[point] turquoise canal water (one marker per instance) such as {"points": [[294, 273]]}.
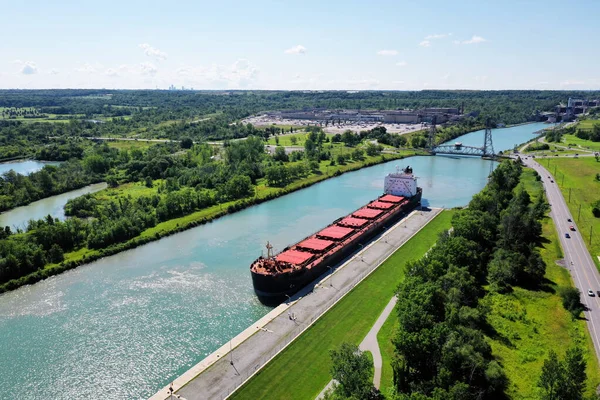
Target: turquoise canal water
{"points": [[54, 206], [25, 167], [126, 325]]}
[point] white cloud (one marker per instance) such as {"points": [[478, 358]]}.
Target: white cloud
{"points": [[481, 78], [474, 40], [299, 49], [437, 36], [148, 69], [87, 68], [445, 77], [387, 53], [398, 82], [111, 72], [153, 52], [29, 68], [425, 43], [402, 63], [54, 71], [572, 82]]}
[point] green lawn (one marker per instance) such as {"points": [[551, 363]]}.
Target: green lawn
{"points": [[574, 142], [530, 323], [301, 371], [578, 176], [587, 124], [129, 144], [286, 140]]}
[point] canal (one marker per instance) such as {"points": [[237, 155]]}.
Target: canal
{"points": [[124, 326]]}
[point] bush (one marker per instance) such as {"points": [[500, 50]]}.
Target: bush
{"points": [[571, 300], [596, 208]]}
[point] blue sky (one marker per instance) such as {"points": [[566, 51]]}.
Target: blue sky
{"points": [[388, 45]]}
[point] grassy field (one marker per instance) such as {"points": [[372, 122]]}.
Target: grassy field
{"points": [[129, 144], [529, 323], [573, 141], [576, 176], [301, 371], [587, 124]]}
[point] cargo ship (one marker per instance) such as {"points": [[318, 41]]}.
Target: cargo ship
{"points": [[285, 273]]}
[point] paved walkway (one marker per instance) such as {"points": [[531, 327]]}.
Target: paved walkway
{"points": [[370, 342], [223, 372]]}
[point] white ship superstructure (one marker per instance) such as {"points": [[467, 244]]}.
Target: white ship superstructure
{"points": [[401, 183]]}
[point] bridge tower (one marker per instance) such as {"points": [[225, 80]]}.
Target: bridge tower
{"points": [[488, 145], [431, 137]]}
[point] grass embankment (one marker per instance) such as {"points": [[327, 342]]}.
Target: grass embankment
{"points": [[301, 371], [530, 323], [263, 193], [578, 176]]}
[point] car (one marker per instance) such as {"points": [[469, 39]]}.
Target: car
{"points": [[569, 220], [567, 235], [591, 293], [551, 181], [572, 228], [598, 293]]}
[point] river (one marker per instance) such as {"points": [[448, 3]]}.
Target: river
{"points": [[54, 205], [126, 325], [25, 167]]}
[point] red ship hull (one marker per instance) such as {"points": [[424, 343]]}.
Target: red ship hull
{"points": [[299, 265]]}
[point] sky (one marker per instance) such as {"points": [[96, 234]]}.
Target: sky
{"points": [[307, 45]]}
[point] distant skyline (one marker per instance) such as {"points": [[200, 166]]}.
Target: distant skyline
{"points": [[345, 45]]}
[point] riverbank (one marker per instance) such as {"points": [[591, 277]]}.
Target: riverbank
{"points": [[201, 217]]}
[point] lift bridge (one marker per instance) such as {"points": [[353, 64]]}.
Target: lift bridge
{"points": [[487, 150]]}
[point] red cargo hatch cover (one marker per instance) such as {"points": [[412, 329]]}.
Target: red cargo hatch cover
{"points": [[367, 213], [294, 257], [381, 205], [315, 244], [390, 198], [335, 232], [354, 222]]}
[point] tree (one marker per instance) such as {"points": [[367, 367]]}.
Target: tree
{"points": [[575, 375], [186, 143], [294, 140], [148, 182], [55, 254], [352, 369], [552, 378], [280, 154]]}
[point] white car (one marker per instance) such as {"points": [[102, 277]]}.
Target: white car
{"points": [[591, 293]]}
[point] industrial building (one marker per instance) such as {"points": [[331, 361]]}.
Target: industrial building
{"points": [[441, 115]]}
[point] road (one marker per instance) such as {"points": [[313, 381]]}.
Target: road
{"points": [[577, 258]]}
